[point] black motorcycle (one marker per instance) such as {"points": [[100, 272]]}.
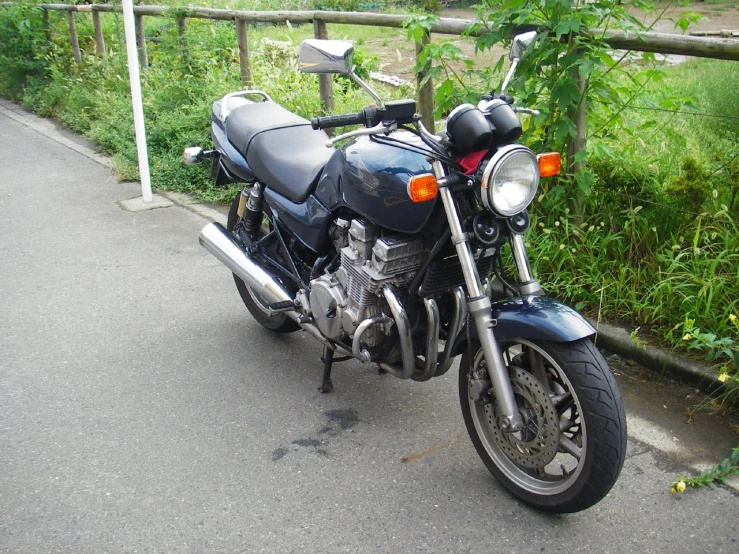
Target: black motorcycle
{"points": [[389, 250]]}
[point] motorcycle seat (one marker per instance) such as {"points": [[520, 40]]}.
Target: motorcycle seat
{"points": [[281, 148]]}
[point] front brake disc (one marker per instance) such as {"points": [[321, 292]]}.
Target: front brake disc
{"points": [[537, 444]]}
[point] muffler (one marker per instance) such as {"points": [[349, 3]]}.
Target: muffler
{"points": [[219, 242]]}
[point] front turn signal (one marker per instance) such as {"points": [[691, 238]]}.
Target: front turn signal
{"points": [[422, 188], [549, 164]]}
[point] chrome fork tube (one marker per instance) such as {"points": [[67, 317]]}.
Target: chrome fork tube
{"points": [[529, 286], [480, 310]]}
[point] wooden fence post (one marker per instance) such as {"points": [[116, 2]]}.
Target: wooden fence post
{"points": [[324, 81], [47, 24], [181, 27], [577, 145], [99, 39], [243, 37], [141, 40], [425, 91], [75, 40]]}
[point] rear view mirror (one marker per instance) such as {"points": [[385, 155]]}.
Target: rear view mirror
{"points": [[326, 56], [521, 43]]}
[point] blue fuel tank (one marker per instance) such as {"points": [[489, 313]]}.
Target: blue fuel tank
{"points": [[371, 178]]}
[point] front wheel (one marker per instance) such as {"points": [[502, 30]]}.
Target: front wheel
{"points": [[572, 447]]}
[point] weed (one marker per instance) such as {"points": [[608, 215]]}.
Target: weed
{"points": [[709, 477]]}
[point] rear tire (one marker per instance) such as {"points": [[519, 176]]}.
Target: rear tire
{"points": [[582, 405], [279, 323]]}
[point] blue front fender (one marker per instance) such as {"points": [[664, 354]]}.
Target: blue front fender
{"points": [[532, 318]]}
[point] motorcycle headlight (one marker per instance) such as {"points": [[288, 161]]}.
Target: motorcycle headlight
{"points": [[510, 180]]}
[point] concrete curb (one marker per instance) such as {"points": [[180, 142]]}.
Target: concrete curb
{"points": [[43, 126], [618, 340], [610, 337]]}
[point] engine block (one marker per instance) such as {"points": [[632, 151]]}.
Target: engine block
{"points": [[369, 262], [342, 300]]}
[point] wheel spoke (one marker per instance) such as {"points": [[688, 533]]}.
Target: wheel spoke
{"points": [[565, 424], [563, 402], [566, 445], [559, 398], [536, 361]]}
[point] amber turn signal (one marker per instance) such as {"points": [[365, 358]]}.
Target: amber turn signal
{"points": [[423, 187], [549, 164]]}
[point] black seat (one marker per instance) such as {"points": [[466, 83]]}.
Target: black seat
{"points": [[281, 148]]}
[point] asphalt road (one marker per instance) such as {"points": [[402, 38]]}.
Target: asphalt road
{"points": [[142, 410]]}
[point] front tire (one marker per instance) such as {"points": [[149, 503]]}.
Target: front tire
{"points": [[572, 448], [278, 323]]}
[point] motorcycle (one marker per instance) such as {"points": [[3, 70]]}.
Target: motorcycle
{"points": [[388, 250]]}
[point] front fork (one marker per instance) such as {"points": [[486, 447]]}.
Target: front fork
{"points": [[479, 308]]}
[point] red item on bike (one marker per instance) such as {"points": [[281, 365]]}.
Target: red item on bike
{"points": [[470, 162]]}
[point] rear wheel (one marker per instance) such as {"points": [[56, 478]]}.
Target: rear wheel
{"points": [[573, 444], [279, 323]]}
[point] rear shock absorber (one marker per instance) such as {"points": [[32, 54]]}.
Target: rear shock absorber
{"points": [[252, 216]]}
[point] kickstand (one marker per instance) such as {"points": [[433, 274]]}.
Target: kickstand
{"points": [[328, 360]]}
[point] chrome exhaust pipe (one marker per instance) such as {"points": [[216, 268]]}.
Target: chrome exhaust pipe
{"points": [[408, 367], [357, 351], [459, 316], [219, 242], [432, 341]]}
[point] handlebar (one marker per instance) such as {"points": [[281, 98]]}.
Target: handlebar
{"points": [[528, 111], [328, 121], [400, 111]]}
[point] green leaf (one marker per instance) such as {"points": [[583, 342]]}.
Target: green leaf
{"points": [[566, 27]]}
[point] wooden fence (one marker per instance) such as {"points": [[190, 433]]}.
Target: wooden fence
{"points": [[717, 48]]}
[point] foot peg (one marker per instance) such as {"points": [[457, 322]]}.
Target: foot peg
{"points": [[285, 306]]}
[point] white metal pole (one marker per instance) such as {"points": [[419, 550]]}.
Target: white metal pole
{"points": [[138, 108]]}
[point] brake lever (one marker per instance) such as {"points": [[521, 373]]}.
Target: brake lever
{"points": [[382, 127]]}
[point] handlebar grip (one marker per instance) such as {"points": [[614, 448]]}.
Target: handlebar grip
{"points": [[338, 120]]}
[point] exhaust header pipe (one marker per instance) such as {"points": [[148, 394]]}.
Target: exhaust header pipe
{"points": [[219, 242]]}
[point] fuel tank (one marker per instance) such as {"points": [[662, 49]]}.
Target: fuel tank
{"points": [[371, 178]]}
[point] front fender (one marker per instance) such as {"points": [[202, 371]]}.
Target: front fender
{"points": [[532, 318]]}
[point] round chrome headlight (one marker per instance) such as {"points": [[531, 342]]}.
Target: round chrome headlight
{"points": [[510, 180]]}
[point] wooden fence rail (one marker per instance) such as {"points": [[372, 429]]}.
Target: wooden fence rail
{"points": [[716, 48]]}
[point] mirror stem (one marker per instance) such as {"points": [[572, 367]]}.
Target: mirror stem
{"points": [[509, 75], [366, 87]]}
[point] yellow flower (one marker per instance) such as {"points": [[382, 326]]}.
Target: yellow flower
{"points": [[678, 487], [723, 377], [733, 318], [687, 336]]}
